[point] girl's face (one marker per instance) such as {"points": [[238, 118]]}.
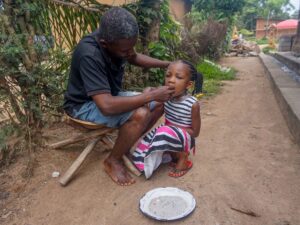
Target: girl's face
{"points": [[178, 76]]}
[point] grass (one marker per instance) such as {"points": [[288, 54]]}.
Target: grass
{"points": [[213, 75], [263, 41], [268, 49]]}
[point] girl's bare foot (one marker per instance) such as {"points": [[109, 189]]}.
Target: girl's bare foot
{"points": [[117, 172]]}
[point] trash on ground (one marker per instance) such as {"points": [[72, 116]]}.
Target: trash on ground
{"points": [[55, 174]]}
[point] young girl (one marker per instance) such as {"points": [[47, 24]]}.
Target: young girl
{"points": [[182, 124]]}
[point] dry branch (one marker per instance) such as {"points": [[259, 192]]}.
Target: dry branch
{"points": [[77, 5], [247, 212]]}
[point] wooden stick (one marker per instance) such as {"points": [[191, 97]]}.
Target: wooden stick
{"points": [[130, 166], [77, 163], [106, 140], [125, 159], [80, 137], [247, 212]]}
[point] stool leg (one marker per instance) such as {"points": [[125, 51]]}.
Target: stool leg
{"points": [[77, 163], [80, 137], [130, 166]]}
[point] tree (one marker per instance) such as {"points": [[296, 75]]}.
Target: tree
{"points": [[217, 10], [295, 14], [26, 69], [254, 9]]}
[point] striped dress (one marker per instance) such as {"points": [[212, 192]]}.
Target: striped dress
{"points": [[167, 137]]}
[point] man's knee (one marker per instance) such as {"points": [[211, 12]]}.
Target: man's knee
{"points": [[141, 115], [159, 107]]}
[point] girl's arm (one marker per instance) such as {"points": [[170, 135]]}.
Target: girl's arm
{"points": [[196, 120]]}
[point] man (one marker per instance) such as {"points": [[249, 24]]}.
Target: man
{"points": [[93, 92]]}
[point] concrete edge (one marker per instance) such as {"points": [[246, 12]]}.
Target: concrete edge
{"points": [[290, 62], [286, 94]]}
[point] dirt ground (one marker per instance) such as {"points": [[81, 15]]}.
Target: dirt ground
{"points": [[246, 160]]}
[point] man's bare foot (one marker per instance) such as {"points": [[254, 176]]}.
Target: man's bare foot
{"points": [[117, 172]]}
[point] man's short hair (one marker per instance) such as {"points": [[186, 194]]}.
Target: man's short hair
{"points": [[117, 23]]}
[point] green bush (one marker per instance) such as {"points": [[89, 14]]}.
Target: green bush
{"points": [[246, 32], [210, 70], [252, 38], [263, 41], [267, 49], [211, 87], [213, 74]]}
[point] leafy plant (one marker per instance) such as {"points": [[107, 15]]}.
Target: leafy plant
{"points": [[167, 48], [262, 41], [211, 87], [213, 74], [32, 72], [219, 10], [268, 50], [211, 70], [246, 32]]}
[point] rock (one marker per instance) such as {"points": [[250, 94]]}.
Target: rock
{"points": [[231, 54], [6, 215], [253, 54]]}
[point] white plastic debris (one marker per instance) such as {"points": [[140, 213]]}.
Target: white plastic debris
{"points": [[55, 174]]}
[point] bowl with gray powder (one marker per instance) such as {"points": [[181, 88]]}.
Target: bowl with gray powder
{"points": [[166, 204]]}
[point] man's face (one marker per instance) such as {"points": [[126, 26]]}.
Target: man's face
{"points": [[123, 48]]}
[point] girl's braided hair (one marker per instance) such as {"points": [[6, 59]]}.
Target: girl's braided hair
{"points": [[195, 76]]}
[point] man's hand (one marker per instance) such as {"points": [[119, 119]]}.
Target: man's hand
{"points": [[148, 89], [162, 94]]}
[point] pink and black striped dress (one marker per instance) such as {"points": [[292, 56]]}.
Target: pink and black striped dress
{"points": [[167, 137]]}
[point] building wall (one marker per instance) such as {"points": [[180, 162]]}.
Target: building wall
{"points": [[179, 8], [261, 25], [283, 32]]}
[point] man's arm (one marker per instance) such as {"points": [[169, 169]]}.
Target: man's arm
{"points": [[111, 105], [147, 61]]}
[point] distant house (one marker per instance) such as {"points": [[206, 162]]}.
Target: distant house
{"points": [[286, 27], [282, 27], [262, 26]]}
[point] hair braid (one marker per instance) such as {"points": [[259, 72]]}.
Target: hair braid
{"points": [[195, 76]]}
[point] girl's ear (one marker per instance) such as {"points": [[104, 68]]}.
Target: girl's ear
{"points": [[190, 84]]}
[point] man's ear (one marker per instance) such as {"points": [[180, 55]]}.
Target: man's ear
{"points": [[103, 43]]}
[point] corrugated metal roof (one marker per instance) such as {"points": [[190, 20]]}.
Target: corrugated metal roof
{"points": [[287, 24]]}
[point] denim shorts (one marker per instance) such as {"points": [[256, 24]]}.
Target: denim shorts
{"points": [[90, 112]]}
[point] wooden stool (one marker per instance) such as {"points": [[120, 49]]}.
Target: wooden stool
{"points": [[96, 132]]}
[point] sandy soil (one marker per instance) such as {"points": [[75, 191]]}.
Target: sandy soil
{"points": [[246, 159]]}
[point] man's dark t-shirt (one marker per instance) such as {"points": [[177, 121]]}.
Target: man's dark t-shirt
{"points": [[92, 72]]}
